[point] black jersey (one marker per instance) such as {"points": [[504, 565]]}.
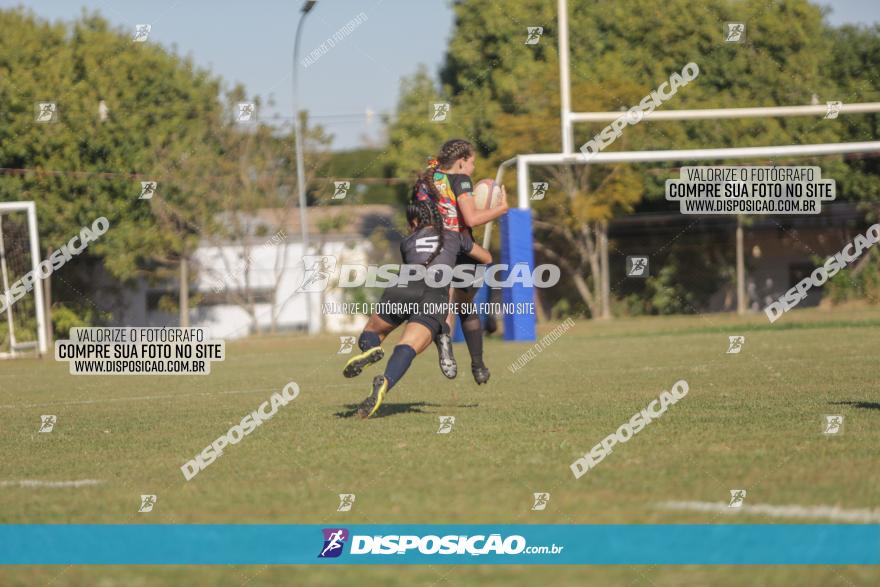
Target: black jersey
{"points": [[418, 247], [429, 305]]}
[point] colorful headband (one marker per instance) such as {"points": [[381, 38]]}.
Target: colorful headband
{"points": [[432, 163]]}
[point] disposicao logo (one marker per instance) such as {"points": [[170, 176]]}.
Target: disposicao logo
{"points": [[334, 541]]}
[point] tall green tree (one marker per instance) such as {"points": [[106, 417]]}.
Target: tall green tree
{"points": [[413, 137], [854, 63], [126, 112], [129, 112]]}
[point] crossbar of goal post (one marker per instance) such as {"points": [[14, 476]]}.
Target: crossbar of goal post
{"points": [[516, 225], [30, 209]]}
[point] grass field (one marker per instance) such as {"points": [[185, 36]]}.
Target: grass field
{"points": [[750, 421]]}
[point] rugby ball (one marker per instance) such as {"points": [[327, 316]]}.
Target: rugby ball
{"points": [[487, 194]]}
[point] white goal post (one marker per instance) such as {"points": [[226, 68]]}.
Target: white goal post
{"points": [[517, 226], [524, 161], [40, 345]]}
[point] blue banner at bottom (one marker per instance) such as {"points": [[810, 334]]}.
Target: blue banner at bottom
{"points": [[278, 544]]}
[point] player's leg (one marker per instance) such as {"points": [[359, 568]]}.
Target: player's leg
{"points": [[377, 328], [448, 365], [415, 339], [443, 340], [472, 329]]}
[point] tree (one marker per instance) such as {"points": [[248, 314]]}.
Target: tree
{"points": [[412, 137], [158, 111], [132, 112], [856, 52]]}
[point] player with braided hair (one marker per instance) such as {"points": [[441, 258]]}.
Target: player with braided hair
{"points": [[447, 181], [431, 245]]}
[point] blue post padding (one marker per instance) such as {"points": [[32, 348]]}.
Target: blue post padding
{"points": [[516, 247], [482, 297]]}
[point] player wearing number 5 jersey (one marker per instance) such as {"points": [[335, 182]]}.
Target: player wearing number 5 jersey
{"points": [[434, 247]]}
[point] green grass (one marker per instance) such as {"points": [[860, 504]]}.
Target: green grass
{"points": [[750, 421]]}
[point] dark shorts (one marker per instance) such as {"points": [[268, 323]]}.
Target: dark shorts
{"points": [[426, 301]]}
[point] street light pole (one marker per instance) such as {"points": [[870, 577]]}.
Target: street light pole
{"points": [[300, 177]]}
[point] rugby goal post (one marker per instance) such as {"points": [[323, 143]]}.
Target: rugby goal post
{"points": [[23, 324], [516, 225]]}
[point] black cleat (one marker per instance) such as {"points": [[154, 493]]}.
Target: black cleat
{"points": [[356, 364], [369, 406], [448, 365], [481, 374]]}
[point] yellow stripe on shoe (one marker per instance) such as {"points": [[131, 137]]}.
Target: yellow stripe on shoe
{"points": [[356, 364], [380, 387]]}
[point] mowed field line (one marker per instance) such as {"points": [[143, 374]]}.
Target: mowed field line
{"points": [[834, 513], [133, 399], [29, 483], [106, 400]]}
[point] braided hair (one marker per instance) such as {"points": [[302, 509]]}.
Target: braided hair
{"points": [[450, 152], [425, 213]]}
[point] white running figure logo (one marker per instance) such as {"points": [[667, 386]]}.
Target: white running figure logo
{"points": [[735, 31], [534, 34], [638, 265], [737, 497], [833, 424], [446, 423], [441, 111], [47, 423], [541, 500], [346, 501], [147, 503], [319, 274], [341, 189], [735, 344], [335, 542]]}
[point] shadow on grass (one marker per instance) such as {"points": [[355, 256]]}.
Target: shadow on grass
{"points": [[392, 409], [862, 405]]}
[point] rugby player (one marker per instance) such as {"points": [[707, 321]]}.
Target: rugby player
{"points": [[447, 181], [430, 245]]}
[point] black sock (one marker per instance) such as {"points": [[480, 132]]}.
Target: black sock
{"points": [[473, 336], [400, 360], [368, 340]]}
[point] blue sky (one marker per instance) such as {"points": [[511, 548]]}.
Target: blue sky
{"points": [[252, 43]]}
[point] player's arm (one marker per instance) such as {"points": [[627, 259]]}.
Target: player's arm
{"points": [[473, 250], [461, 187], [480, 255], [473, 217]]}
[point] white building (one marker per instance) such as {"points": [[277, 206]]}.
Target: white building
{"points": [[249, 285]]}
